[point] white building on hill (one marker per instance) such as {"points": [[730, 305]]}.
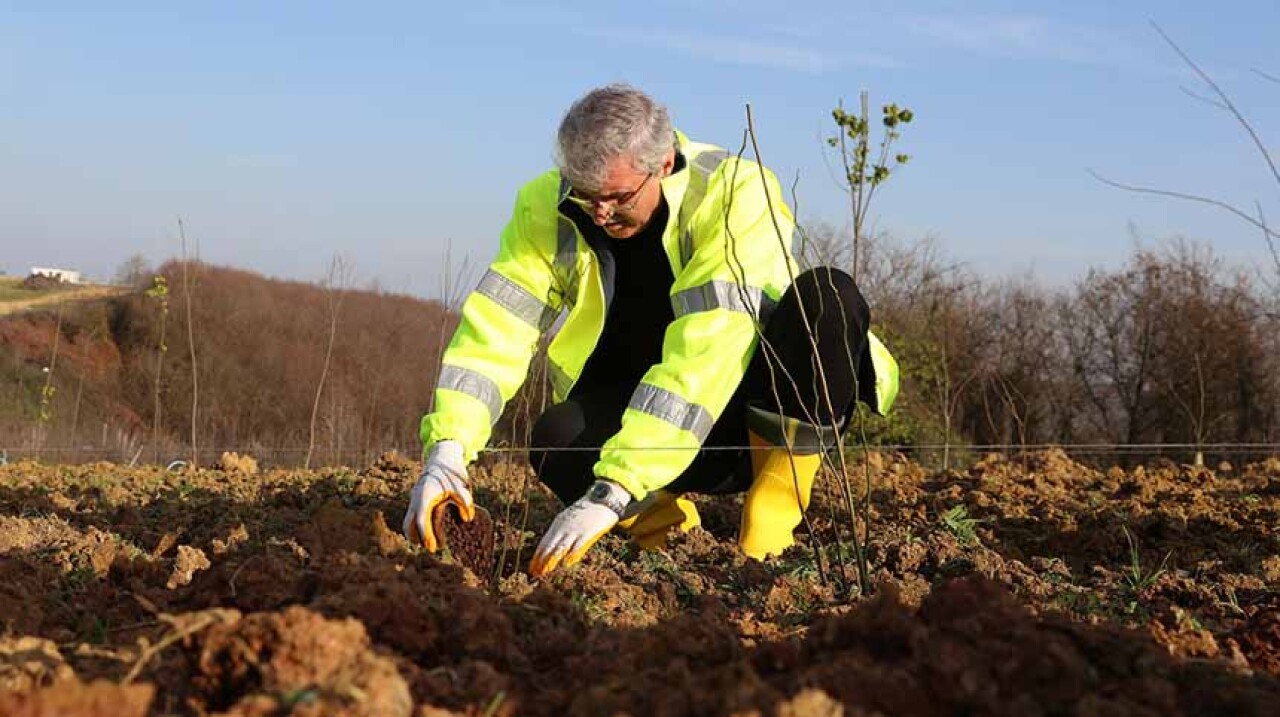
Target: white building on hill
{"points": [[64, 275]]}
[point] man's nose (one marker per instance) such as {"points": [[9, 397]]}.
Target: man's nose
{"points": [[601, 214]]}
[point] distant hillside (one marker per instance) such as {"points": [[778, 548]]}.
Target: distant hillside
{"points": [[15, 297], [260, 347]]}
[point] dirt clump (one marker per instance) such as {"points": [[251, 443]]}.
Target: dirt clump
{"points": [[237, 536], [335, 527], [972, 649], [471, 542], [188, 562], [393, 464], [72, 698], [23, 579], [30, 662], [1259, 639], [296, 657], [238, 463]]}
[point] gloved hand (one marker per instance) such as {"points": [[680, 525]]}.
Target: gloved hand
{"points": [[579, 526], [443, 480]]}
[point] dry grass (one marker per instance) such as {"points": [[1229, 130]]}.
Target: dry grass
{"points": [[10, 289], [14, 298]]}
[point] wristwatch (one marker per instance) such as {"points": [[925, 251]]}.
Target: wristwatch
{"points": [[610, 495]]}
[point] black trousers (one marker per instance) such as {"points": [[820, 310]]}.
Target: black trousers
{"points": [[782, 377]]}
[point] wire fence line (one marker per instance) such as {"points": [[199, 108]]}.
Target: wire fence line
{"points": [[289, 455], [974, 447], [882, 447]]}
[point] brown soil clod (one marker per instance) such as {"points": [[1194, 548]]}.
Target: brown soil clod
{"points": [[238, 463], [27, 662], [188, 562], [1260, 638], [393, 463], [470, 543], [296, 656], [66, 699]]}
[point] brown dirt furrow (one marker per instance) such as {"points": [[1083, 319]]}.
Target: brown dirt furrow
{"points": [[1032, 587]]}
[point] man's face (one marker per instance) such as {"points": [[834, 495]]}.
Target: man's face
{"points": [[627, 200]]}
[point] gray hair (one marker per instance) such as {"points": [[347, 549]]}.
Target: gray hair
{"points": [[608, 122]]}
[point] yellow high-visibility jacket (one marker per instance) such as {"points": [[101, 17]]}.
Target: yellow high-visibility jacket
{"points": [[729, 242]]}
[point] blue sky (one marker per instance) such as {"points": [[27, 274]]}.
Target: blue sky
{"points": [[287, 132]]}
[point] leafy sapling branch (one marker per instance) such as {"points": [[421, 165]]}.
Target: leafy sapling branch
{"points": [[863, 173]]}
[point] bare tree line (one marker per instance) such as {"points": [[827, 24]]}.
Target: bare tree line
{"points": [[1175, 346]]}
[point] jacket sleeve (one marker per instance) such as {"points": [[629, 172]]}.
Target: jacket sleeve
{"points": [[740, 265], [488, 357]]}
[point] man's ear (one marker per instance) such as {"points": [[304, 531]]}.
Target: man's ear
{"points": [[669, 163]]}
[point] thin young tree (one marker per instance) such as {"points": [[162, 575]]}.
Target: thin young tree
{"points": [[49, 390], [863, 173], [159, 293], [75, 410], [454, 287], [187, 286], [862, 176], [778, 374], [957, 366], [335, 286]]}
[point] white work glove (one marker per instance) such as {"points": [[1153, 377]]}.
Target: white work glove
{"points": [[443, 480], [579, 526]]}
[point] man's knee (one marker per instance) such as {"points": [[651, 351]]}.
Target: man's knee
{"points": [[558, 428], [817, 328], [825, 286]]}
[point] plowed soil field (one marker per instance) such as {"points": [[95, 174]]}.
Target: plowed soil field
{"points": [[1028, 587]]}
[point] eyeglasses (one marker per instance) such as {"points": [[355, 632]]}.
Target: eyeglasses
{"points": [[624, 202]]}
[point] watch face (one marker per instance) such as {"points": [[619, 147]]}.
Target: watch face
{"points": [[601, 493]]}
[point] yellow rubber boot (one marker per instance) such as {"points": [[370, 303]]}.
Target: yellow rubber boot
{"points": [[777, 499], [650, 527]]}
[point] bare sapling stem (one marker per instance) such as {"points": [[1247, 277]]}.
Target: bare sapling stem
{"points": [[159, 292], [335, 283], [187, 285]]}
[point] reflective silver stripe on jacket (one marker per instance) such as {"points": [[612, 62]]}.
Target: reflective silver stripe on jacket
{"points": [[701, 168], [663, 404], [723, 295], [560, 381], [518, 300], [565, 269], [710, 160], [474, 384]]}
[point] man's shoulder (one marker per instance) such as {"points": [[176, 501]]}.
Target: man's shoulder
{"points": [[712, 158], [544, 187], [537, 207], [692, 148]]}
